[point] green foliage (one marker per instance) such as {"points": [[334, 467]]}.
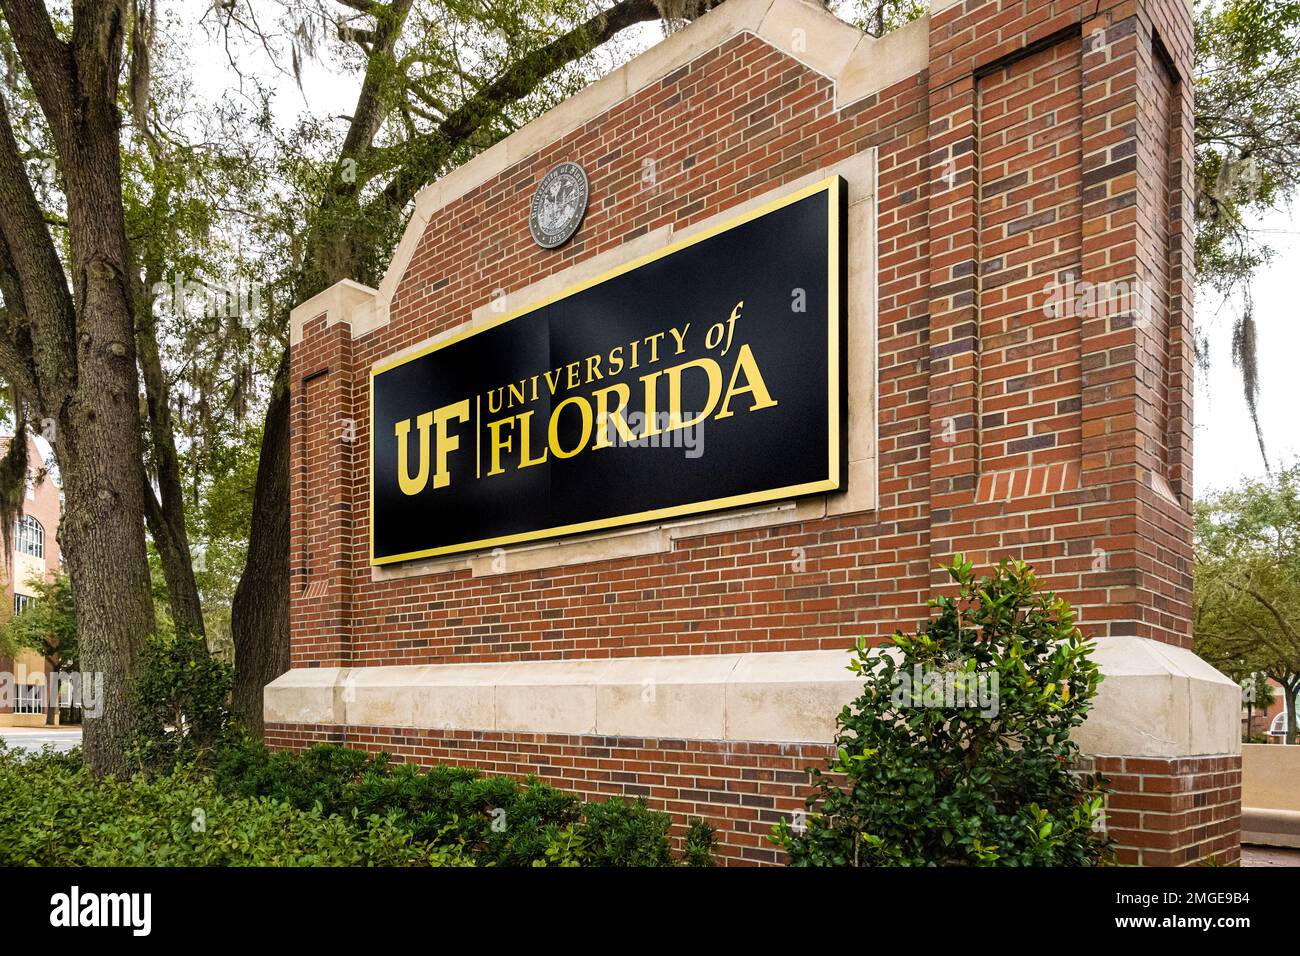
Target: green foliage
{"points": [[48, 625], [492, 820], [221, 523], [182, 698], [495, 819], [330, 806], [700, 836], [1247, 128], [54, 814], [1246, 589], [925, 776], [625, 833]]}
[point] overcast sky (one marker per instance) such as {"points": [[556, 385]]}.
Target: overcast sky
{"points": [[1225, 449]]}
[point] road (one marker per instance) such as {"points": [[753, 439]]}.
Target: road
{"points": [[34, 738]]}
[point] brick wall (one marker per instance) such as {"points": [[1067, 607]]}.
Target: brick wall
{"points": [[742, 788], [1047, 146], [1170, 812]]}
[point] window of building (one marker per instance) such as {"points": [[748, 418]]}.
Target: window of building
{"points": [[29, 536], [21, 602], [31, 699]]}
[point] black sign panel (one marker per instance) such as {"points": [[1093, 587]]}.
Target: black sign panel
{"points": [[709, 375]]}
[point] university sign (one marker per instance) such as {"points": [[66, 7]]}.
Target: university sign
{"points": [[708, 375], [728, 418]]}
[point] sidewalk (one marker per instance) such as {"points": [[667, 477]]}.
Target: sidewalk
{"points": [[1269, 856]]}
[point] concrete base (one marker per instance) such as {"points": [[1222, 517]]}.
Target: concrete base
{"points": [[24, 720], [1270, 795], [1270, 827]]}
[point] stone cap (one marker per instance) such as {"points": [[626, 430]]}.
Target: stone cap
{"points": [[1157, 700]]}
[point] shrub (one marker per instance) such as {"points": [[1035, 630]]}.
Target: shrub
{"points": [[700, 837], [190, 752], [54, 814], [182, 702], [498, 820], [927, 774], [494, 820], [625, 833]]}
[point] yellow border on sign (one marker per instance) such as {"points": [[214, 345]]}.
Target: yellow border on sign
{"points": [[833, 186]]}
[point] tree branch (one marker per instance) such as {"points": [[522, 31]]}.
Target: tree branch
{"points": [[46, 59], [432, 150], [1268, 605], [32, 257], [368, 116]]}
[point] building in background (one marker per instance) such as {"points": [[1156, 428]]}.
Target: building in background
{"points": [[34, 552]]}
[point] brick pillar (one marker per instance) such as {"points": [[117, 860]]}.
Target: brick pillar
{"points": [[1060, 370], [324, 477]]}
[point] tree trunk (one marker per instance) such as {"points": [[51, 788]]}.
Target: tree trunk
{"points": [[53, 662], [98, 448], [165, 512], [177, 567], [259, 619], [75, 358], [83, 358]]}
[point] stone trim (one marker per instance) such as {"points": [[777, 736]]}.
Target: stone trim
{"points": [[1157, 700], [792, 696], [343, 302]]}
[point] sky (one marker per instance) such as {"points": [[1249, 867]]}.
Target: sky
{"points": [[1225, 451]]}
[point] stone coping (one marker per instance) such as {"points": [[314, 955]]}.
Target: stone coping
{"points": [[1157, 700], [777, 696]]}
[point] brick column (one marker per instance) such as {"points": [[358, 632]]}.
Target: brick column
{"points": [[1060, 369], [327, 486]]}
